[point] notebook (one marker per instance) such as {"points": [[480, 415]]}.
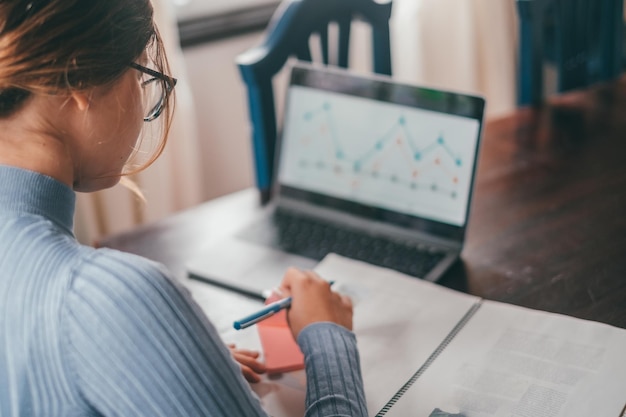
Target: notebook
{"points": [[367, 167], [440, 352]]}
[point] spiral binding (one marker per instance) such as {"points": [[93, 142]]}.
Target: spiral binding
{"points": [[430, 359]]}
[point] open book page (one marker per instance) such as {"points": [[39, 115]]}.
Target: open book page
{"points": [[398, 320], [516, 362]]}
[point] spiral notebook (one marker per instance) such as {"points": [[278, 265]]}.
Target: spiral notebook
{"points": [[430, 351]]}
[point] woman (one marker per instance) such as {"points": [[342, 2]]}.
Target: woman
{"points": [[87, 331]]}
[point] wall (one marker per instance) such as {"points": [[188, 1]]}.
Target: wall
{"points": [[194, 9], [221, 108]]}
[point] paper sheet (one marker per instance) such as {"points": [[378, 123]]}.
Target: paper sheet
{"points": [[510, 361]]}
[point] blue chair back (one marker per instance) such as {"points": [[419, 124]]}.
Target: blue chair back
{"points": [[288, 35], [581, 38]]}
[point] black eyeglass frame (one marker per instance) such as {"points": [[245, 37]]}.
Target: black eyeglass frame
{"points": [[169, 82]]}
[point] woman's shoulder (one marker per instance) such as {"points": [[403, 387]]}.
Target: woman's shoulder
{"points": [[110, 261], [114, 295], [107, 274]]}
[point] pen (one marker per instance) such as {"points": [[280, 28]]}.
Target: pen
{"points": [[262, 314], [266, 312]]}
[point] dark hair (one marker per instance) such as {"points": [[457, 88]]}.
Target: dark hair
{"points": [[54, 46]]}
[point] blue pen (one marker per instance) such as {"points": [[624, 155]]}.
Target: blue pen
{"points": [[264, 313]]}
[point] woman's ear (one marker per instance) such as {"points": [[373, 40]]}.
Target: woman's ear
{"points": [[80, 99]]}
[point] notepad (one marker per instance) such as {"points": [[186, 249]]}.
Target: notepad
{"points": [[280, 351]]}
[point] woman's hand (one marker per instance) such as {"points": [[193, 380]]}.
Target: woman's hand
{"points": [[313, 301], [247, 359]]}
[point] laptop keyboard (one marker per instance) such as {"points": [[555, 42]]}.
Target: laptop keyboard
{"points": [[314, 239]]}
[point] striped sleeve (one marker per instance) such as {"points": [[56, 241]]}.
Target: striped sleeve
{"points": [[334, 381], [137, 345]]}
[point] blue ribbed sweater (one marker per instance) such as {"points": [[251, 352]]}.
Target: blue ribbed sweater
{"points": [[97, 332]]}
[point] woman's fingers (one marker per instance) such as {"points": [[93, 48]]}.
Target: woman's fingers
{"points": [[248, 361], [314, 301]]}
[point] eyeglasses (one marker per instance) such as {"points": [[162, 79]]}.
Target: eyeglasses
{"points": [[156, 88]]}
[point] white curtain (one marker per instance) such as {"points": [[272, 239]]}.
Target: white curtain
{"points": [[462, 45], [173, 182]]}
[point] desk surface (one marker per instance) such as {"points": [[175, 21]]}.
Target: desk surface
{"points": [[547, 226]]}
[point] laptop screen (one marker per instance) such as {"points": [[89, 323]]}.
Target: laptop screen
{"points": [[380, 149]]}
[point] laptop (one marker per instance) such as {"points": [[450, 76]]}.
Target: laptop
{"points": [[367, 167]]}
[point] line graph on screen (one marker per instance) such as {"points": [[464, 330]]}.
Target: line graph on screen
{"points": [[395, 156]]}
